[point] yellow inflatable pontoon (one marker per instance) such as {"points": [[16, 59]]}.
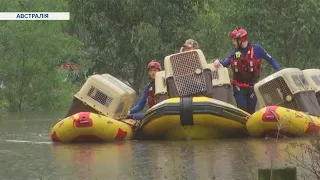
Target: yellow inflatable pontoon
{"points": [[289, 102], [271, 120], [94, 112], [90, 127], [194, 102], [193, 118]]}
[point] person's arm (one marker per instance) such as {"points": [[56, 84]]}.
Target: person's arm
{"points": [[227, 61], [141, 103], [259, 51]]}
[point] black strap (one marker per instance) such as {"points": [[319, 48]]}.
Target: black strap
{"points": [[186, 111]]}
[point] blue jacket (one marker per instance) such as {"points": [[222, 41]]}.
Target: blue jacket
{"points": [[259, 53], [143, 99]]}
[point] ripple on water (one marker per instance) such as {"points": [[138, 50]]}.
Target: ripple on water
{"points": [[26, 152]]}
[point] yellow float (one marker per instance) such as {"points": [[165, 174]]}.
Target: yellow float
{"points": [[194, 102], [193, 118], [271, 120], [91, 127], [289, 102], [94, 112]]}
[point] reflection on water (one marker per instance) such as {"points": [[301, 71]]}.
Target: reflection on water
{"points": [[227, 159], [27, 153], [94, 161]]}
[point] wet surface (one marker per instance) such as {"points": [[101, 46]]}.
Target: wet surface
{"points": [[26, 152]]}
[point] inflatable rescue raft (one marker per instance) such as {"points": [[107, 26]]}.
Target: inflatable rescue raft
{"points": [[290, 106], [276, 120], [91, 127], [187, 90], [193, 118], [95, 109], [193, 102]]}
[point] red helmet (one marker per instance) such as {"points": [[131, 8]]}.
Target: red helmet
{"points": [[239, 33], [154, 64]]}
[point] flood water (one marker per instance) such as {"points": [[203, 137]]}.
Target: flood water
{"points": [[26, 152]]}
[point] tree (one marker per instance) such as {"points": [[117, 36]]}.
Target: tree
{"points": [[285, 28], [31, 52], [126, 34]]}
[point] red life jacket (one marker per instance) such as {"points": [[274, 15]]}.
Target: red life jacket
{"points": [[246, 68], [151, 100]]}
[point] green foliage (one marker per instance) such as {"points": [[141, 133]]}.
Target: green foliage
{"points": [[127, 34], [121, 37], [287, 29], [31, 54]]}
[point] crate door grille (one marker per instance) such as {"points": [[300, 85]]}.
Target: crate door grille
{"points": [[186, 80], [99, 96], [275, 93]]}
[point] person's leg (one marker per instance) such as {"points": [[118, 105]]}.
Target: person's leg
{"points": [[240, 98], [251, 100], [138, 116]]}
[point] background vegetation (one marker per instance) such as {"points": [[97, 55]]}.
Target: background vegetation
{"points": [[120, 37]]}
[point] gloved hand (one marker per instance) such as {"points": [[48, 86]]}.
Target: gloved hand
{"points": [[129, 116], [216, 63]]}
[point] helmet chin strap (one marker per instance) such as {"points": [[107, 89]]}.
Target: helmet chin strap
{"points": [[239, 44]]}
